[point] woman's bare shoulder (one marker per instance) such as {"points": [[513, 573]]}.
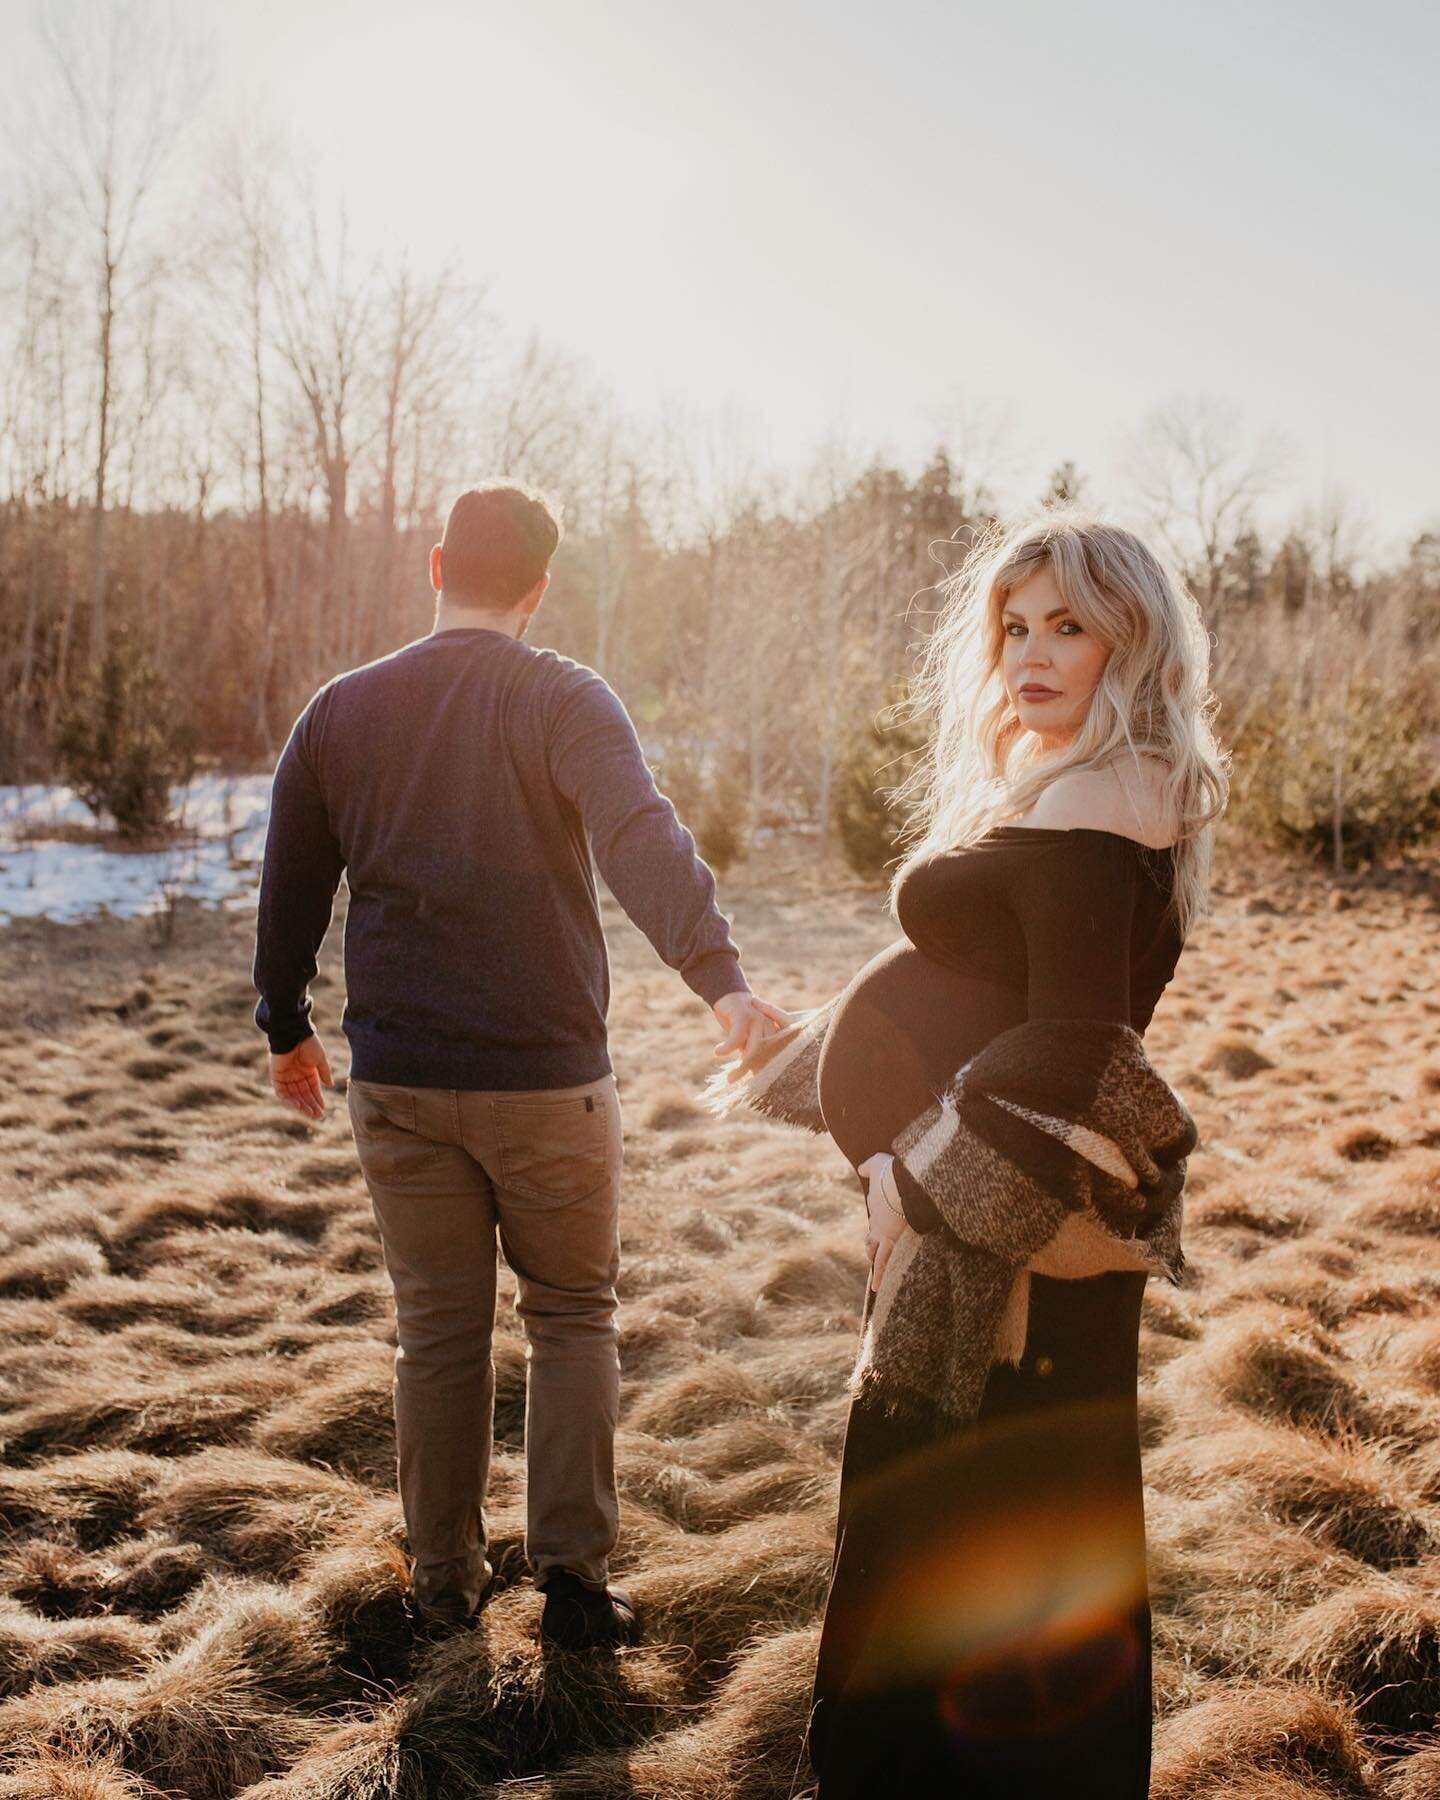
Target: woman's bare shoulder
{"points": [[1127, 800]]}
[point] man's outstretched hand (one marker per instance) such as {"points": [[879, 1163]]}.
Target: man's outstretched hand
{"points": [[747, 1021], [297, 1075]]}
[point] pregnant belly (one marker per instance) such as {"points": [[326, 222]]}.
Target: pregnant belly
{"points": [[904, 1025]]}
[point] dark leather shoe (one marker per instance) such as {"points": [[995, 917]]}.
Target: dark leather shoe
{"points": [[447, 1613], [576, 1616]]}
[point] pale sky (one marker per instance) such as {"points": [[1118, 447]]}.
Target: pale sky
{"points": [[872, 219]]}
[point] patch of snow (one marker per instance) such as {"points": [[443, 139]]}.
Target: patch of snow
{"points": [[224, 818]]}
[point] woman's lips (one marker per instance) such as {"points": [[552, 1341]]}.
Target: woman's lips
{"points": [[1039, 693]]}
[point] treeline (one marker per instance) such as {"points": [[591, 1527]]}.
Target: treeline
{"points": [[227, 442], [755, 654]]}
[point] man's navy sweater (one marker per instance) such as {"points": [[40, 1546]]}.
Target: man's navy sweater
{"points": [[461, 784]]}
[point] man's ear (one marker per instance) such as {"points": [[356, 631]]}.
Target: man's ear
{"points": [[536, 594], [435, 580]]}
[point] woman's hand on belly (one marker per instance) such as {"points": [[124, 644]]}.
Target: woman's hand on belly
{"points": [[886, 1223]]}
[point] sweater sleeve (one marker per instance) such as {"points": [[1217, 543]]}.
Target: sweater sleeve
{"points": [[301, 871], [1074, 898], [647, 857]]}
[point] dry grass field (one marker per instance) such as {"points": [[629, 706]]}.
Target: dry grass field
{"points": [[201, 1567]]}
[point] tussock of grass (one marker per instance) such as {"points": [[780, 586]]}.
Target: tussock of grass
{"points": [[35, 1651], [1232, 1208], [802, 1371], [1263, 1736], [110, 1302], [67, 1213], [714, 1593], [821, 1274], [239, 1208], [97, 1495], [674, 1108], [1417, 1777], [479, 1711], [1271, 1363], [645, 1274], [47, 1267], [150, 1576], [1410, 1200], [1234, 1055], [153, 1068], [357, 1591], [265, 1640], [1344, 1489], [718, 1389], [199, 1096], [1422, 1466], [710, 1233], [1169, 1313], [50, 1775], [143, 1576], [165, 1417], [223, 1256], [1416, 1349], [353, 1300], [186, 1737], [365, 1761], [1379, 1643], [748, 1747], [1364, 1142], [257, 1513], [346, 1424]]}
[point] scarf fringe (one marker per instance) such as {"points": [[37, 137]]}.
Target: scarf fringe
{"points": [[780, 1080]]}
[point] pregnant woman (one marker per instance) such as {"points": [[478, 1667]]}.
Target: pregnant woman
{"points": [[987, 1627]]}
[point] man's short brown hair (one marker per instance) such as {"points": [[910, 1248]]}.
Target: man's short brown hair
{"points": [[498, 542]]}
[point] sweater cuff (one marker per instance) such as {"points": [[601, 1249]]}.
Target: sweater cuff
{"points": [[716, 975], [285, 1033], [921, 1213]]}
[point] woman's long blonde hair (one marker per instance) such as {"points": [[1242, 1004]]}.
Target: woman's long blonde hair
{"points": [[982, 767]]}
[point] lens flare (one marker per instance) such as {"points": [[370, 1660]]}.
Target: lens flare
{"points": [[1013, 1600]]}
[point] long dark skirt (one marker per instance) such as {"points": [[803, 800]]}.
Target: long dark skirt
{"points": [[987, 1631]]}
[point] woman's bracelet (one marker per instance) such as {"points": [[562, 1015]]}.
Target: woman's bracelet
{"points": [[888, 1185]]}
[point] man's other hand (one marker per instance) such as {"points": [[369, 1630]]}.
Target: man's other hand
{"points": [[296, 1077], [747, 1021]]}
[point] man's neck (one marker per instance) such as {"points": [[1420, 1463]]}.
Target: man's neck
{"points": [[450, 617]]}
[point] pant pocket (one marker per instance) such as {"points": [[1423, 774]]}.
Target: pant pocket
{"points": [[389, 1146], [554, 1150]]}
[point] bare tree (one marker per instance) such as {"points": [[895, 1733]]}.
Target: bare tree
{"points": [[241, 302], [326, 314], [1199, 484], [848, 543], [127, 82], [38, 437], [429, 337], [537, 413]]}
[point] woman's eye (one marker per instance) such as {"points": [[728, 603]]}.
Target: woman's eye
{"points": [[1070, 625]]}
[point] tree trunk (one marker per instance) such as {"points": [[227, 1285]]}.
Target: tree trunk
{"points": [[99, 624]]}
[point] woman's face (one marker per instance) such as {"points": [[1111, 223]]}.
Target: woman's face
{"points": [[1051, 665]]}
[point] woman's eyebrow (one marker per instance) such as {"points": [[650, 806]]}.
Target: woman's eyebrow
{"points": [[1054, 613]]}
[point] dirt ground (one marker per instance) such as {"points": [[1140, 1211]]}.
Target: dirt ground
{"points": [[201, 1567]]}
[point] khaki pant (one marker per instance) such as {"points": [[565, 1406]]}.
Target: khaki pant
{"points": [[446, 1169]]}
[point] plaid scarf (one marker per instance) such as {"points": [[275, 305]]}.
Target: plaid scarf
{"points": [[1056, 1150]]}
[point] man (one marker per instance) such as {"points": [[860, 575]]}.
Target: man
{"points": [[461, 783]]}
